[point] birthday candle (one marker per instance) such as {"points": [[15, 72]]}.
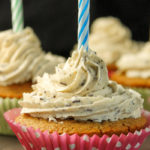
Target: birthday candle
{"points": [[83, 23], [17, 15]]}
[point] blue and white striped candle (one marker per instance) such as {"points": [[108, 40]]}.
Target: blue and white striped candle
{"points": [[83, 23]]}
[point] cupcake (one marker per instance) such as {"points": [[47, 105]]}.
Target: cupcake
{"points": [[134, 71], [111, 39], [21, 61], [79, 108]]}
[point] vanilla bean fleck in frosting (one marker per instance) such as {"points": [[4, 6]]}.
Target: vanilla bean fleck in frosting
{"points": [[21, 57], [80, 89], [138, 64]]}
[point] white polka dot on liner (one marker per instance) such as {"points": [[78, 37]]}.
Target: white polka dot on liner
{"points": [[31, 145], [137, 145], [19, 135], [138, 133], [57, 148], [72, 146], [63, 134], [86, 138], [24, 129], [108, 140], [128, 147], [118, 144], [43, 148], [37, 134], [147, 129]]}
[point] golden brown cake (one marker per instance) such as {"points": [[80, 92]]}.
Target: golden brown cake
{"points": [[15, 90], [112, 67], [81, 127], [130, 81]]}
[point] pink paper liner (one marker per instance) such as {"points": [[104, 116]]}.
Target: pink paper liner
{"points": [[110, 72], [36, 140]]}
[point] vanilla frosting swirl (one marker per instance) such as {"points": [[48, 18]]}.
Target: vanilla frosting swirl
{"points": [[80, 89], [21, 57], [110, 29], [136, 65], [111, 39]]}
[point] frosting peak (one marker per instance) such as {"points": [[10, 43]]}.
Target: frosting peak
{"points": [[81, 74], [80, 89]]}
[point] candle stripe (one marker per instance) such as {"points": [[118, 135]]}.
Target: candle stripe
{"points": [[83, 23], [80, 2], [19, 25], [84, 26], [17, 15], [83, 36], [84, 10], [85, 39]]}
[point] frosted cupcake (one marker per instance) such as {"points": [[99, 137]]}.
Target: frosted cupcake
{"points": [[111, 39], [21, 61], [78, 107], [134, 71]]}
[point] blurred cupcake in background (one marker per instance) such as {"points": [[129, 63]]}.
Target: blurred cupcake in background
{"points": [[111, 39], [21, 61], [134, 71]]}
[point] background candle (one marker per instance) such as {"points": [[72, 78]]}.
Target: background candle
{"points": [[17, 15]]}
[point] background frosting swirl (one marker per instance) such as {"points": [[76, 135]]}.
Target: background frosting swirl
{"points": [[21, 57], [81, 89], [111, 39], [138, 64]]}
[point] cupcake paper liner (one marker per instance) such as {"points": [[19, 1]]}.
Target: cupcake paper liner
{"points": [[145, 93], [110, 73], [5, 105], [35, 139]]}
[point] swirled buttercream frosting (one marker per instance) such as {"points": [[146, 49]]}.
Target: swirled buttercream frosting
{"points": [[21, 57], [80, 89], [136, 65], [111, 39]]}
